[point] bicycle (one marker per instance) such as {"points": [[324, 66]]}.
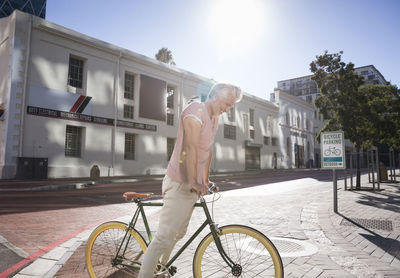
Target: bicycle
{"points": [[115, 249], [332, 150]]}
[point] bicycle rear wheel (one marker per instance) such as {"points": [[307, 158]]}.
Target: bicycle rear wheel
{"points": [[252, 253], [102, 247]]}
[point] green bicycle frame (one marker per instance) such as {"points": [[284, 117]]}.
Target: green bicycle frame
{"points": [[140, 211]]}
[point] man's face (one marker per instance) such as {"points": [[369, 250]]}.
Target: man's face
{"points": [[224, 102]]}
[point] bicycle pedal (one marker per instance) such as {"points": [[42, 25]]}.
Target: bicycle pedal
{"points": [[172, 270]]}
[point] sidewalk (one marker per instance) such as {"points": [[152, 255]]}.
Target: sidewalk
{"points": [[361, 240]]}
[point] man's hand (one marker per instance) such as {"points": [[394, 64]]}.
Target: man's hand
{"points": [[200, 189]]}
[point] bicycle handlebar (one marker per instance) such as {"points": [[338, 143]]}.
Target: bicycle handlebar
{"points": [[211, 189]]}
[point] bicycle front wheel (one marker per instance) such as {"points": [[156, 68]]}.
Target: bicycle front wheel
{"points": [[102, 247], [251, 252]]}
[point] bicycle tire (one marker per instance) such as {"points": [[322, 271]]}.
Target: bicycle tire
{"points": [[253, 253], [102, 247]]}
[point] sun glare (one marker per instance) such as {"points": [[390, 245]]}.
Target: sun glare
{"points": [[236, 24]]}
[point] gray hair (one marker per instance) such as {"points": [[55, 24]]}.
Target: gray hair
{"points": [[221, 87]]}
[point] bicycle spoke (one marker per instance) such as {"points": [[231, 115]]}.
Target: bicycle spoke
{"points": [[247, 250], [103, 248]]}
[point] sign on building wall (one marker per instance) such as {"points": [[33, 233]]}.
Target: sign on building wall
{"points": [[332, 150]]}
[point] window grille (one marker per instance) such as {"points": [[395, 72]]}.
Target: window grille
{"points": [[129, 152], [251, 111], [252, 133], [230, 132], [128, 111], [266, 140], [170, 119], [75, 72], [129, 86], [73, 141], [170, 97]]}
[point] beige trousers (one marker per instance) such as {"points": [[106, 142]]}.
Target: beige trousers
{"points": [[175, 216]]}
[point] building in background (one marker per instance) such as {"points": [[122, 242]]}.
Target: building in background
{"points": [[305, 88], [35, 7]]}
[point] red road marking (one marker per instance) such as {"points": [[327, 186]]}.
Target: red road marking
{"points": [[49, 247]]}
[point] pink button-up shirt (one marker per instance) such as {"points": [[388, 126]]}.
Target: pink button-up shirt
{"points": [[177, 166]]}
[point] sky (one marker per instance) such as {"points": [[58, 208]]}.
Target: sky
{"points": [[252, 43]]}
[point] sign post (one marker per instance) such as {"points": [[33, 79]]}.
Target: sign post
{"points": [[333, 157]]}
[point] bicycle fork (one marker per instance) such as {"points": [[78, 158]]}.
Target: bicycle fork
{"points": [[216, 233]]}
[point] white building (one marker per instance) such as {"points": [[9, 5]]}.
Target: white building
{"points": [[298, 124], [305, 88], [73, 102]]}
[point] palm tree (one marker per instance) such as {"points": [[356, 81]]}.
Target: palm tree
{"points": [[165, 55]]}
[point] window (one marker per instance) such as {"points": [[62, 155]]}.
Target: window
{"points": [[129, 86], [170, 147], [230, 132], [251, 111], [231, 114], [266, 140], [128, 111], [274, 141], [252, 133], [298, 122], [75, 72], [287, 118], [170, 97], [170, 119], [246, 125], [73, 141], [288, 146], [129, 152], [307, 124]]}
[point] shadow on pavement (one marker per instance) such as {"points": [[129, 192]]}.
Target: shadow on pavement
{"points": [[388, 245]]}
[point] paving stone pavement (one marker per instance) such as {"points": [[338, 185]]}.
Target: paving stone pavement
{"points": [[350, 243]]}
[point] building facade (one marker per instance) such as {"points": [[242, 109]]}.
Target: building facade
{"points": [[306, 89], [73, 103], [298, 124]]}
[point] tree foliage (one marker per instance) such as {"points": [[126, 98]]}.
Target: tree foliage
{"points": [[340, 101], [382, 122], [165, 55], [367, 114]]}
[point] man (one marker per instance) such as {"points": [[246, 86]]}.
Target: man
{"points": [[187, 175]]}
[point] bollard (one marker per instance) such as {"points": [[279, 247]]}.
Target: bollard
{"points": [[95, 172]]}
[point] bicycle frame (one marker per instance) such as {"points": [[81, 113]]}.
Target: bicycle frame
{"points": [[140, 211]]}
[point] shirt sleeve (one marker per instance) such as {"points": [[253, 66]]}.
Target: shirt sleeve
{"points": [[194, 110]]}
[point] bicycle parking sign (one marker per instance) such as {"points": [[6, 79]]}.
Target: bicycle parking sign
{"points": [[332, 150]]}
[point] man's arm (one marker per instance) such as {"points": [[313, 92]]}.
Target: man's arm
{"points": [[192, 129], [207, 169]]}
